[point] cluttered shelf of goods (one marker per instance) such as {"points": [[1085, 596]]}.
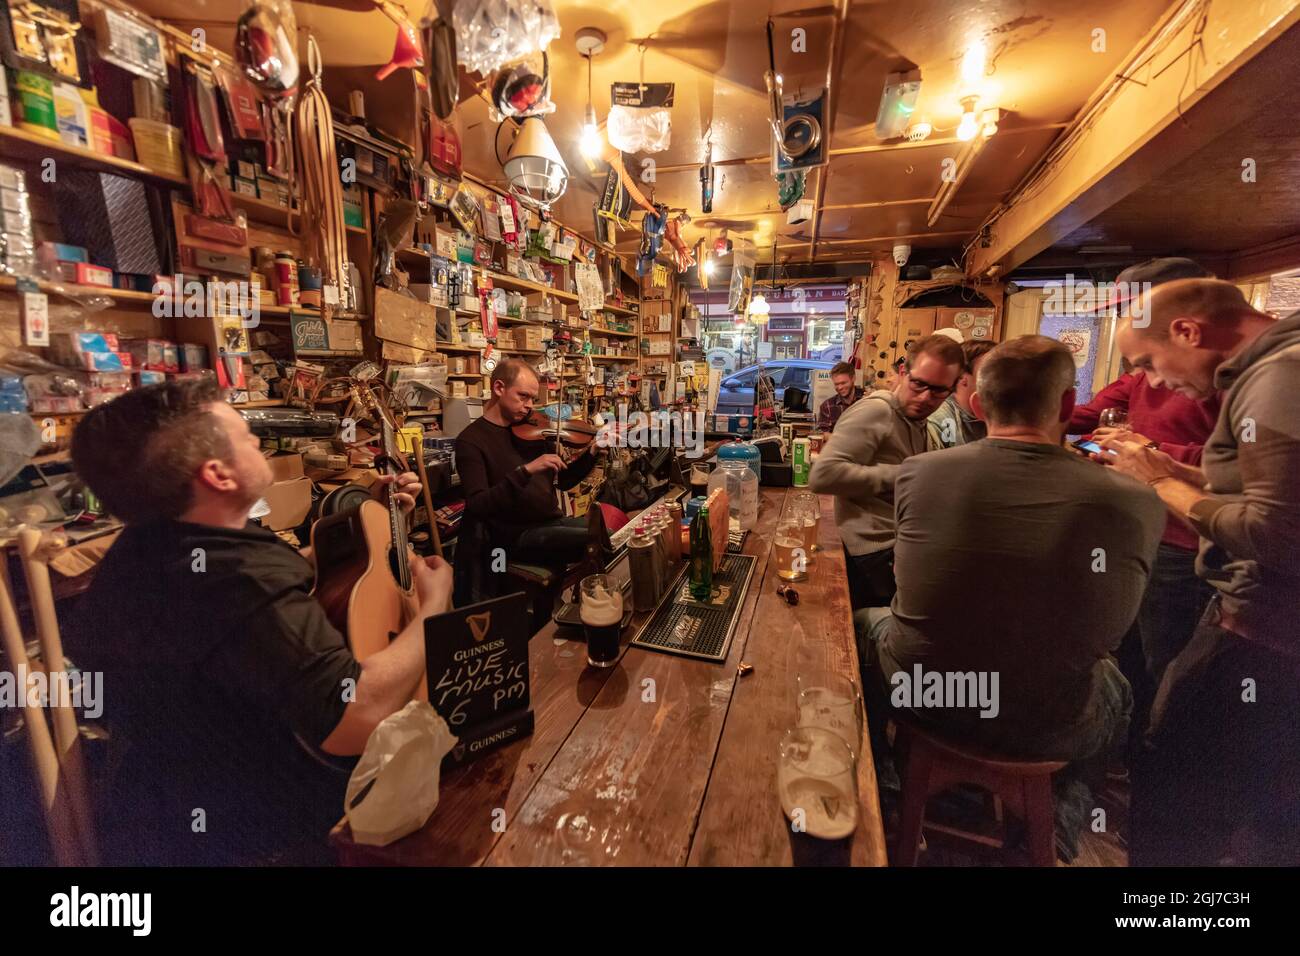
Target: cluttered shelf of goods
{"points": [[654, 334]]}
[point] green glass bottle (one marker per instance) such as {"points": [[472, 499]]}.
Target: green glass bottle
{"points": [[701, 556]]}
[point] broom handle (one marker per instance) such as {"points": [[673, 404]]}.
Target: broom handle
{"points": [[66, 735], [46, 761]]}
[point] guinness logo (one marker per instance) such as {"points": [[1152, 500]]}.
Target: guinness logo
{"points": [[479, 624]]}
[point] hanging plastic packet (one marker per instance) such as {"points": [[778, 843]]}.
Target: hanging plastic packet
{"points": [[266, 47], [492, 33], [520, 91], [640, 119]]}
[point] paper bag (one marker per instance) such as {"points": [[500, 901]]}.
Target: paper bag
{"points": [[394, 788]]}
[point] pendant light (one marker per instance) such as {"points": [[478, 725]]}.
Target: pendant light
{"points": [[590, 42]]}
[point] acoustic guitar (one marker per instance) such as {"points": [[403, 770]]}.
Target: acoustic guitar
{"points": [[363, 565]]}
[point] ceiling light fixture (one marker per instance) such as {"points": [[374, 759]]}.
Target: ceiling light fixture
{"points": [[759, 309], [534, 167], [969, 125], [590, 42]]}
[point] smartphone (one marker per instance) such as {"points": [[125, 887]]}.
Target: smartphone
{"points": [[1091, 447]]}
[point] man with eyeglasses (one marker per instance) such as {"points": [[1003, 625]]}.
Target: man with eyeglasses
{"points": [[872, 438]]}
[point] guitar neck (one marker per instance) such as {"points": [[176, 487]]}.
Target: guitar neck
{"points": [[396, 520]]}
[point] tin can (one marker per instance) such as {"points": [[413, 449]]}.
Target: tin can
{"points": [[801, 461], [644, 564]]}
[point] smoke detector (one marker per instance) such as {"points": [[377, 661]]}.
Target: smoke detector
{"points": [[918, 131]]}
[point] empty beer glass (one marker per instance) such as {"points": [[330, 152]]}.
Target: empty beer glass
{"points": [[817, 782]]}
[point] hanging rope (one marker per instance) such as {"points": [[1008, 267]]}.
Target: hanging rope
{"points": [[320, 196]]}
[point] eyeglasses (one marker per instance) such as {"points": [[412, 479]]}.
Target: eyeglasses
{"points": [[918, 385]]}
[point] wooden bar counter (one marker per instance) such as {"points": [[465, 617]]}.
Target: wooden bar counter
{"points": [[661, 760]]}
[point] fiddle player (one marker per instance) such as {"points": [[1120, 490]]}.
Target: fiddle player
{"points": [[509, 487], [224, 677]]}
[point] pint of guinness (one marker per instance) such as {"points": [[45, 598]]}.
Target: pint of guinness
{"points": [[602, 618]]}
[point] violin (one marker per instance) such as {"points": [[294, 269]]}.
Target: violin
{"points": [[567, 438]]}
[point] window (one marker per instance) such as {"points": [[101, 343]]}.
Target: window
{"points": [[796, 377]]}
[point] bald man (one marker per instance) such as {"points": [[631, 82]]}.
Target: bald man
{"points": [[1223, 774]]}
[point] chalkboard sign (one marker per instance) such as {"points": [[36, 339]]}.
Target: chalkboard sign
{"points": [[309, 332], [478, 674]]}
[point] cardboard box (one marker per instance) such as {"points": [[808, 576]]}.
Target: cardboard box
{"points": [[158, 355], [529, 337], [289, 496], [344, 336]]}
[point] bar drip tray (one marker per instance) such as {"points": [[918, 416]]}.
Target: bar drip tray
{"points": [[681, 625]]}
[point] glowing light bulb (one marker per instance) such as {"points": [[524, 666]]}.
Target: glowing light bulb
{"points": [[709, 267], [592, 143], [968, 126], [989, 122]]}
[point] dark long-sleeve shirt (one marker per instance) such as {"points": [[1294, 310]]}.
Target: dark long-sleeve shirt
{"points": [[1179, 425], [498, 491]]}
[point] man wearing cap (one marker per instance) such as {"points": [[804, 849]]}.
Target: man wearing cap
{"points": [[1177, 425], [1222, 780]]}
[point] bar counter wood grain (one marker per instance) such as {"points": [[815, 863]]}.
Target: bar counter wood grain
{"points": [[662, 760]]}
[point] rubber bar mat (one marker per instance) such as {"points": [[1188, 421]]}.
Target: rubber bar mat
{"points": [[681, 625]]}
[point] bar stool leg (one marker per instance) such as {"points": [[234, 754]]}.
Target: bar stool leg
{"points": [[1040, 821], [916, 786]]}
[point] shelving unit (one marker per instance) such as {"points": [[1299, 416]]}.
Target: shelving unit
{"points": [[23, 145]]}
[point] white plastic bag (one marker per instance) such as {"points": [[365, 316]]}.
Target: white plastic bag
{"points": [[395, 784], [636, 129]]}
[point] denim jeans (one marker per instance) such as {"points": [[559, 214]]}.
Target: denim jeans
{"points": [[1089, 744], [555, 543], [871, 578]]}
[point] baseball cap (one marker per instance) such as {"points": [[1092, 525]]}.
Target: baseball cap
{"points": [[1130, 282]]}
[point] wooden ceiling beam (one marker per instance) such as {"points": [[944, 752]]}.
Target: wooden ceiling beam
{"points": [[1102, 158]]}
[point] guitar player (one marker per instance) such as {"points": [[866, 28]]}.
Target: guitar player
{"points": [[510, 488], [222, 674]]}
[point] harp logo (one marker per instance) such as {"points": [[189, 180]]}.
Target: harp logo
{"points": [[479, 625]]}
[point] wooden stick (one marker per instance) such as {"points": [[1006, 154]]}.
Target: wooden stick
{"points": [[66, 735], [54, 803], [428, 498]]}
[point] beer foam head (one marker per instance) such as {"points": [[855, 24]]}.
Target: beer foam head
{"points": [[602, 608]]}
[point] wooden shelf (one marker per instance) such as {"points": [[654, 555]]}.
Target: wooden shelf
{"points": [[613, 358], [619, 309], [466, 375], [23, 145], [444, 347], [626, 335], [261, 210], [132, 298], [501, 280], [268, 403]]}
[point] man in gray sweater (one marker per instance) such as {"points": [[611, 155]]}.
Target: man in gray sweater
{"points": [[1221, 781], [860, 462]]}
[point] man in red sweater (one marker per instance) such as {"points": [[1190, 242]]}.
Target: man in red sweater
{"points": [[1170, 422]]}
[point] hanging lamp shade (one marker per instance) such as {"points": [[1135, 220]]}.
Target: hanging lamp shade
{"points": [[537, 174], [759, 309]]}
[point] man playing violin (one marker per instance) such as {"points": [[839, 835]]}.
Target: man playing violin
{"points": [[224, 678], [510, 483]]}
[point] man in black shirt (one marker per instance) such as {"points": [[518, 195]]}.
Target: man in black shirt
{"points": [[224, 680], [511, 489]]}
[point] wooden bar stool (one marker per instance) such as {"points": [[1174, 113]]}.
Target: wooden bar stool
{"points": [[934, 765]]}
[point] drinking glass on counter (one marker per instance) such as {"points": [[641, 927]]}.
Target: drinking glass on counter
{"points": [[602, 618], [817, 782], [806, 508], [831, 702], [791, 552]]}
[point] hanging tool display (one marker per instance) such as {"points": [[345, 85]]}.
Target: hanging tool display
{"points": [[321, 195], [652, 236], [683, 258], [706, 180]]}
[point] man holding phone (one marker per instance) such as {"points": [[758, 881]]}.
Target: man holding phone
{"points": [[1178, 426]]}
